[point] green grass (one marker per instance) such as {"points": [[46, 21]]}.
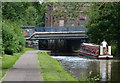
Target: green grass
{"points": [[52, 69], [29, 49], [9, 60]]}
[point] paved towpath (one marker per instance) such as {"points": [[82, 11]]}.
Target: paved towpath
{"points": [[26, 68]]}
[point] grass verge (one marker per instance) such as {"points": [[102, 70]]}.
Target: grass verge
{"points": [[9, 60], [52, 70]]}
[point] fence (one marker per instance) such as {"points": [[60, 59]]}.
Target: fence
{"points": [[59, 29]]}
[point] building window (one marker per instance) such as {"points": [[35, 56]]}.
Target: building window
{"points": [[61, 22], [82, 22], [72, 22], [81, 12]]}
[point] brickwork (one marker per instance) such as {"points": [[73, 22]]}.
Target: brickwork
{"points": [[71, 21]]}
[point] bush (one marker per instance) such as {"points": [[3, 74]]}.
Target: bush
{"points": [[114, 49], [13, 40], [1, 51]]}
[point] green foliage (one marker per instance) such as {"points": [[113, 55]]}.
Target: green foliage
{"points": [[13, 40], [1, 48], [41, 10], [93, 78], [104, 23], [31, 16], [114, 48], [15, 15], [26, 14], [90, 78]]}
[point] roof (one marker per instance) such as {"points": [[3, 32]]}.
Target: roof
{"points": [[90, 44], [27, 27]]}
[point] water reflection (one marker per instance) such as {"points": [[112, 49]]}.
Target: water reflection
{"points": [[79, 66], [105, 70]]}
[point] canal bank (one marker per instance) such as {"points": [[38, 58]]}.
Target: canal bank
{"points": [[52, 70], [82, 67]]}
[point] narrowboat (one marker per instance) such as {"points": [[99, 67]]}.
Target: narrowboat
{"points": [[95, 51]]}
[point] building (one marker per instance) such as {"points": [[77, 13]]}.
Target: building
{"points": [[28, 30], [65, 18], [57, 16]]}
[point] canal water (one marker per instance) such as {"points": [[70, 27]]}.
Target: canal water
{"points": [[81, 67]]}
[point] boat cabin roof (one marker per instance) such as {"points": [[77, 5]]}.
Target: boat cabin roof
{"points": [[90, 44]]}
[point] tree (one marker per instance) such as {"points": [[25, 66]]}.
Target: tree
{"points": [[16, 14], [30, 16], [41, 10], [13, 40], [103, 23], [27, 14]]}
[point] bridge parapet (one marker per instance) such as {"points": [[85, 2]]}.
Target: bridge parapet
{"points": [[58, 33], [59, 29]]}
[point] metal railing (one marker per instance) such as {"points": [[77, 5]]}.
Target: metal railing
{"points": [[59, 29]]}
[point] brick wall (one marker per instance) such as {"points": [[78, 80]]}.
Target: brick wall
{"points": [[71, 21]]}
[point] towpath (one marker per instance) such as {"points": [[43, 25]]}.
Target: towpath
{"points": [[26, 68]]}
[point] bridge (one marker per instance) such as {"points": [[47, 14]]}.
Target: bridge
{"points": [[58, 33], [59, 38]]}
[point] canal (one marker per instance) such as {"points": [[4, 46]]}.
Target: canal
{"points": [[81, 67]]}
